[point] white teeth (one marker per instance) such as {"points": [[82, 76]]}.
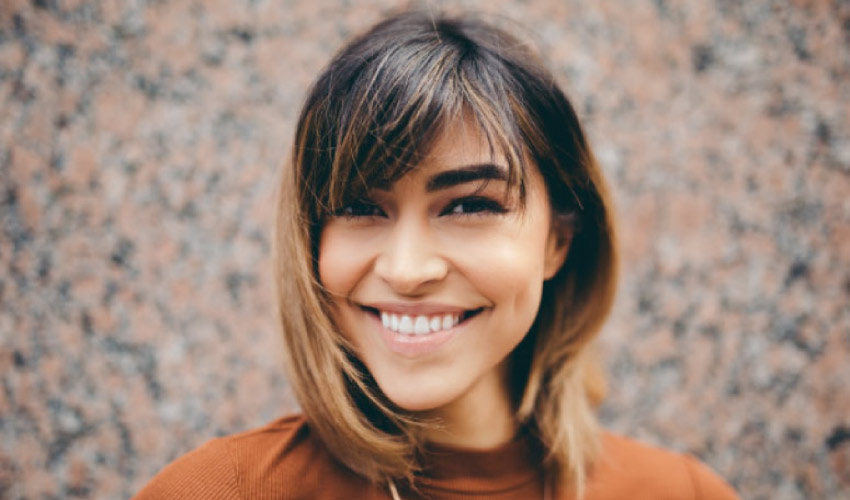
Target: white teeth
{"points": [[405, 324], [448, 321], [421, 326], [418, 325]]}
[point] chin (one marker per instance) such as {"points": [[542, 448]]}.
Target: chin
{"points": [[419, 405], [418, 399]]}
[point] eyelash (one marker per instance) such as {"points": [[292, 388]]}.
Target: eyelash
{"points": [[360, 208], [479, 206]]}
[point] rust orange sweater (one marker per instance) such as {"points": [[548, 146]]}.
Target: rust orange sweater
{"points": [[285, 460]]}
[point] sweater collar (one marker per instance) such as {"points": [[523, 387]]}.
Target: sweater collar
{"points": [[501, 468]]}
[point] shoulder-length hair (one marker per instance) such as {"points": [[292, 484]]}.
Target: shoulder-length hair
{"points": [[369, 118]]}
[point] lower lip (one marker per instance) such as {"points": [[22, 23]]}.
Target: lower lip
{"points": [[416, 345]]}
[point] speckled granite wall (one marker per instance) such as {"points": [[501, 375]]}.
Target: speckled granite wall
{"points": [[139, 144]]}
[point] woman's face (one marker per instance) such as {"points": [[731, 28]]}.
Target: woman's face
{"points": [[436, 278]]}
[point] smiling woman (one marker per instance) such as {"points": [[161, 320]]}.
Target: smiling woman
{"points": [[445, 257], [436, 279]]}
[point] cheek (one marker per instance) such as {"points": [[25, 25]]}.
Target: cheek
{"points": [[341, 262], [508, 264]]}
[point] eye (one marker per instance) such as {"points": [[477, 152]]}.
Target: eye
{"points": [[474, 205], [360, 208]]}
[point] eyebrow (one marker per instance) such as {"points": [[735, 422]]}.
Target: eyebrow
{"points": [[469, 173]]}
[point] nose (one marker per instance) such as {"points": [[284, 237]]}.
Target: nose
{"points": [[408, 260]]}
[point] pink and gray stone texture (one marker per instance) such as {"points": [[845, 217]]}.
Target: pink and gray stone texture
{"points": [[140, 143]]}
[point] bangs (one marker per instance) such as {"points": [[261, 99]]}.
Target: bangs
{"points": [[393, 102]]}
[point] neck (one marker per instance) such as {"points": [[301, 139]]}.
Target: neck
{"points": [[486, 402]]}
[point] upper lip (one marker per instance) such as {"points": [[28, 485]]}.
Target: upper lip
{"points": [[417, 308]]}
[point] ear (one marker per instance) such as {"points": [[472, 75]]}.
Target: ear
{"points": [[557, 245]]}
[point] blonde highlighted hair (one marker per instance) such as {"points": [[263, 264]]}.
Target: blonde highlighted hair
{"points": [[370, 117]]}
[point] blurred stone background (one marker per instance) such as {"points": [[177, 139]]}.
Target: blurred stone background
{"points": [[140, 142]]}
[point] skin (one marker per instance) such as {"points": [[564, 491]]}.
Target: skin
{"points": [[466, 247]]}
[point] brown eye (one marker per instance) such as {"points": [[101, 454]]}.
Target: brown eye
{"points": [[474, 205], [362, 208]]}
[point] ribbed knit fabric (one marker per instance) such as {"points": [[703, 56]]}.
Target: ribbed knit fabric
{"points": [[285, 460]]}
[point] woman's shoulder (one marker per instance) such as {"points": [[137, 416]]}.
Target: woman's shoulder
{"points": [[278, 460], [630, 469]]}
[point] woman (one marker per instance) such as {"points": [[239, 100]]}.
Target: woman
{"points": [[445, 255]]}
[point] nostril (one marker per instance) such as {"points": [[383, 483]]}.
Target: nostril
{"points": [[407, 266], [411, 278]]}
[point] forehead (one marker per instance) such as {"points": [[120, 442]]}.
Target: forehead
{"points": [[463, 142], [458, 145], [463, 154], [451, 144]]}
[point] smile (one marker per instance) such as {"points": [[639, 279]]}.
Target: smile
{"points": [[423, 325], [418, 325]]}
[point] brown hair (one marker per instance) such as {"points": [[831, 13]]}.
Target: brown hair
{"points": [[372, 114]]}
